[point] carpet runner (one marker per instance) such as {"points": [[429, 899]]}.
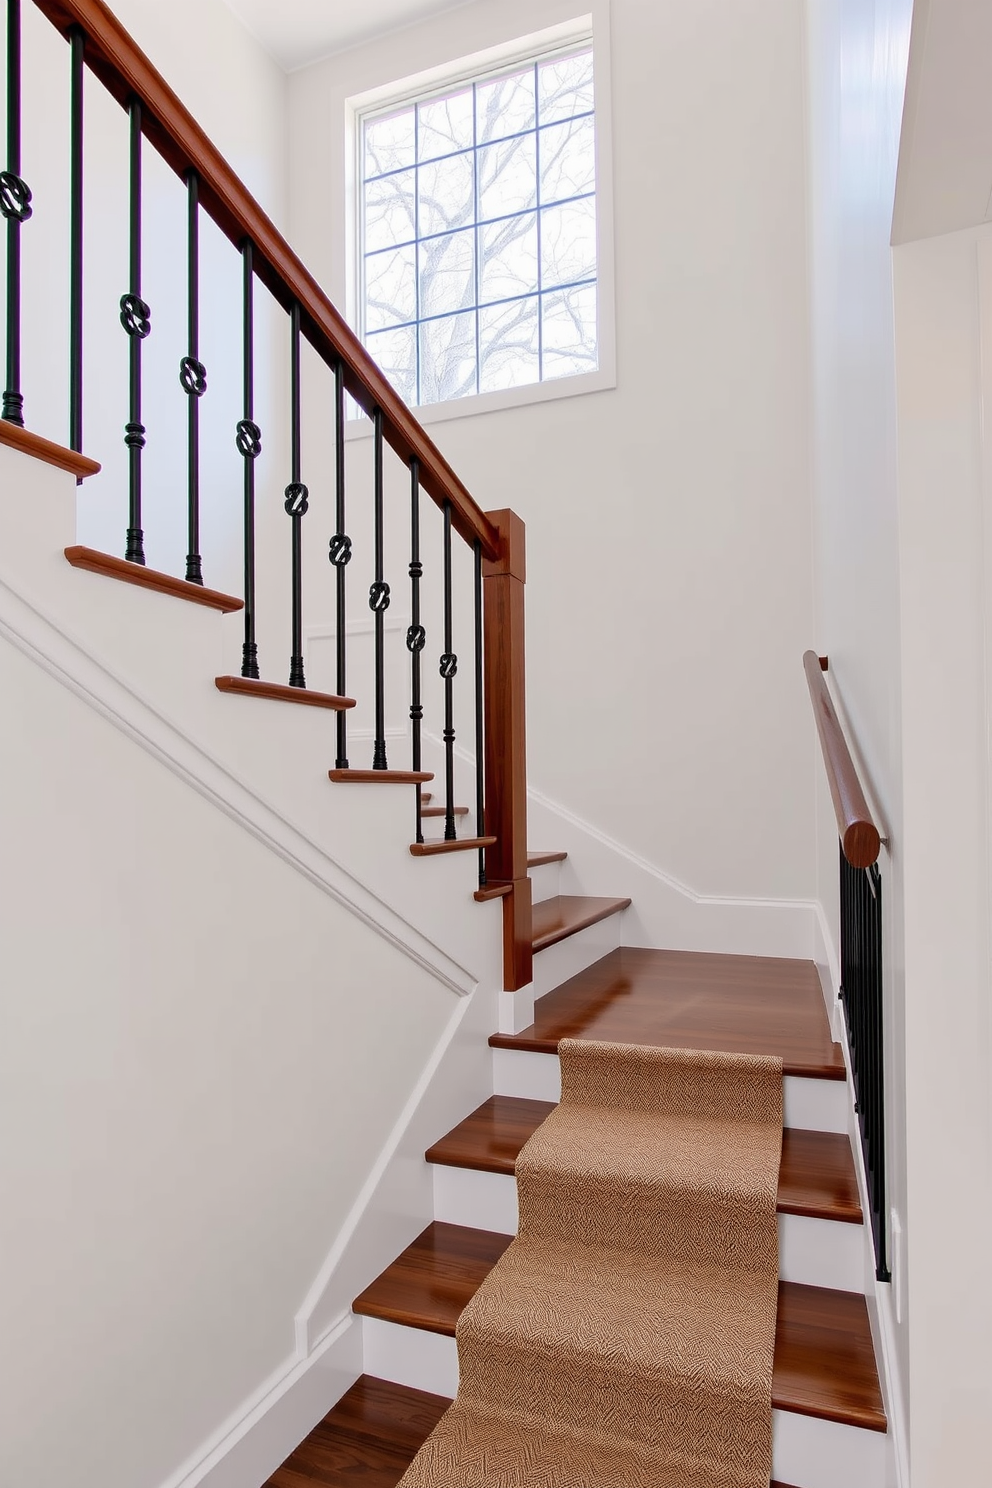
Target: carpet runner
{"points": [[626, 1337]]}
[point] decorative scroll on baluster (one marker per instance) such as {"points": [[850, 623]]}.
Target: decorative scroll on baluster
{"points": [[448, 668], [15, 204], [340, 554], [297, 503], [193, 377], [77, 45], [249, 441], [416, 636], [379, 604], [480, 770], [136, 318]]}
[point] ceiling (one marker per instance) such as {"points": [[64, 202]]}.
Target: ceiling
{"points": [[295, 32]]}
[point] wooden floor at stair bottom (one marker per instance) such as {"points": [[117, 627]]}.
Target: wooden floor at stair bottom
{"points": [[824, 1357], [368, 1440], [816, 1177], [691, 1000]]}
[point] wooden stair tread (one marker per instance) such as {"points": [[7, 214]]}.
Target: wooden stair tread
{"points": [[538, 859], [379, 777], [47, 450], [368, 1440], [493, 891], [566, 914], [459, 844], [278, 692], [691, 1000], [441, 811], [824, 1358], [150, 578], [817, 1176]]}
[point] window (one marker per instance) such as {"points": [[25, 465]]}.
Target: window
{"points": [[479, 245]]}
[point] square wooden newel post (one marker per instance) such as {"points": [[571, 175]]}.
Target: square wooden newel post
{"points": [[506, 743]]}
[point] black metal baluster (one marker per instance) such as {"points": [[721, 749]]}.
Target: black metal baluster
{"points": [[77, 44], [136, 318], [480, 789], [340, 554], [15, 204], [193, 377], [249, 440], [448, 668], [416, 636], [297, 502], [379, 604]]}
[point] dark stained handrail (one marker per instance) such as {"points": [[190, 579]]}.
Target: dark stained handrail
{"points": [[858, 833], [128, 74]]}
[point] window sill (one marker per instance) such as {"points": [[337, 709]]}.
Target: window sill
{"points": [[519, 397]]}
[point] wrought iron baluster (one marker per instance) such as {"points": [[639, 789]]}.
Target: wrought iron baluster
{"points": [[448, 668], [480, 788], [416, 636], [339, 554], [15, 204], [249, 441], [77, 44], [136, 318], [193, 378], [297, 502], [379, 604]]}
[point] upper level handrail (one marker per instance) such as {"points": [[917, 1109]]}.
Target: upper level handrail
{"points": [[127, 73], [859, 835]]}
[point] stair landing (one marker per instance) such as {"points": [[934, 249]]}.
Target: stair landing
{"points": [[691, 1000]]}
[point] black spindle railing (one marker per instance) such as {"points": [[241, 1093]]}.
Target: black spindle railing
{"points": [[416, 636], [339, 554], [193, 377], [15, 204], [861, 991], [249, 441], [480, 773], [448, 668], [379, 604], [297, 502], [77, 45], [136, 318]]}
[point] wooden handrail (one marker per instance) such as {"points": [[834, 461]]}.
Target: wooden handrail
{"points": [[859, 835], [127, 73]]}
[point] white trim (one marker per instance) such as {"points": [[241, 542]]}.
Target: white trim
{"points": [[71, 665], [259, 1436], [346, 1233], [518, 397]]}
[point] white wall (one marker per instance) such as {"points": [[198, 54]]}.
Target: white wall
{"points": [[202, 1057], [944, 351], [857, 59], [668, 520]]}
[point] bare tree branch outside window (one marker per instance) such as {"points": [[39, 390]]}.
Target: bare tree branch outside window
{"points": [[479, 242]]}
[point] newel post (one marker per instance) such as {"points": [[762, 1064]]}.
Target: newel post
{"points": [[506, 743]]}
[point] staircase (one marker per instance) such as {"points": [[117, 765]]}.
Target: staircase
{"points": [[829, 1418], [565, 968]]}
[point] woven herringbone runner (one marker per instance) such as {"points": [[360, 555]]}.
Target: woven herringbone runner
{"points": [[625, 1338]]}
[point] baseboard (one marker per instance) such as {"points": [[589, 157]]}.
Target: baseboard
{"points": [[665, 911], [247, 1449]]}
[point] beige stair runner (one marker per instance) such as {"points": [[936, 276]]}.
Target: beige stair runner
{"points": [[625, 1339]]}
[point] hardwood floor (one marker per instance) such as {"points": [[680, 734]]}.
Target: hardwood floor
{"points": [[824, 1358], [691, 1000], [368, 1440], [817, 1176]]}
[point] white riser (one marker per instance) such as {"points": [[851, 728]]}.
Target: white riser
{"points": [[545, 881], [574, 954], [810, 1105], [817, 1252], [805, 1452]]}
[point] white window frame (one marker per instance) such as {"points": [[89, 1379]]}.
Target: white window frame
{"points": [[579, 31]]}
